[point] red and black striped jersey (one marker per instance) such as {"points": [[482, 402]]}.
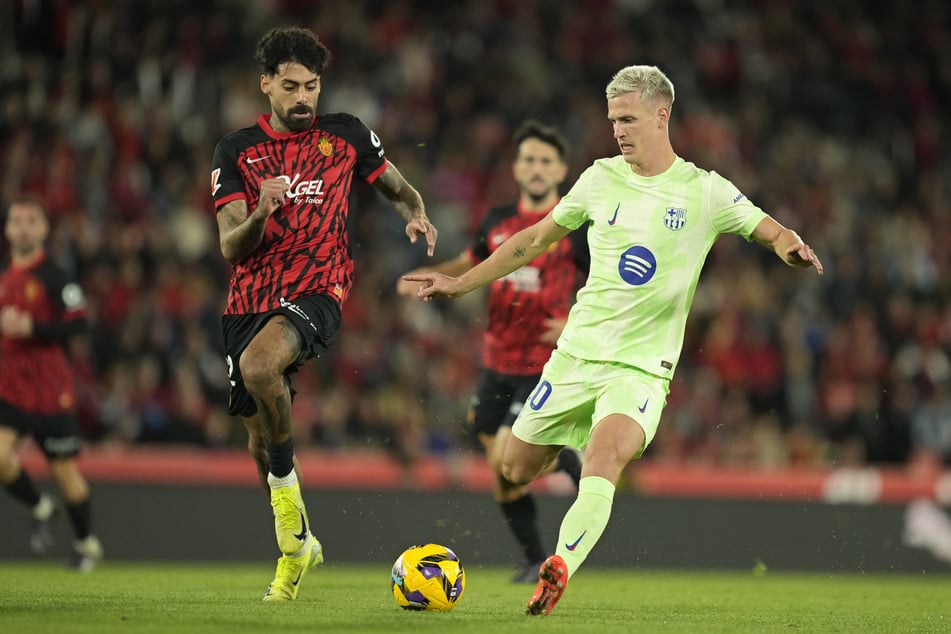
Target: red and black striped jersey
{"points": [[520, 302], [35, 374], [305, 249]]}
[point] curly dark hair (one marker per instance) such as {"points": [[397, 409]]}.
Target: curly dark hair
{"points": [[291, 44], [532, 129]]}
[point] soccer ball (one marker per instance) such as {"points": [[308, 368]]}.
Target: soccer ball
{"points": [[428, 577]]}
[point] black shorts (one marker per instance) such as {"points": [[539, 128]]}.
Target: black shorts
{"points": [[56, 434], [498, 400], [317, 319]]}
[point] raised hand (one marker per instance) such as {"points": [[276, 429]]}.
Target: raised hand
{"points": [[420, 224]]}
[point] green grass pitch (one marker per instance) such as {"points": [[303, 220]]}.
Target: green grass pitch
{"points": [[40, 598]]}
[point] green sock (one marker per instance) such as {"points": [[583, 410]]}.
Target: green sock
{"points": [[585, 521]]}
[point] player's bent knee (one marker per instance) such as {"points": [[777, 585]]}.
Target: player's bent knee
{"points": [[495, 463], [258, 376], [518, 474]]}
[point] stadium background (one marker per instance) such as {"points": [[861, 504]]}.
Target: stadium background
{"points": [[831, 116]]}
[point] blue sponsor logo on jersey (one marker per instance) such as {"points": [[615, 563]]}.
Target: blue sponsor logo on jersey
{"points": [[637, 265], [675, 218]]}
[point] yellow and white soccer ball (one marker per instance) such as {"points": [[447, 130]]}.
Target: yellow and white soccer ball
{"points": [[428, 577]]}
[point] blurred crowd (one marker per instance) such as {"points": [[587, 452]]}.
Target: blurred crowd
{"points": [[830, 116]]}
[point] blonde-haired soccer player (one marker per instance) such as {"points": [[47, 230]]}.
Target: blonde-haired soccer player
{"points": [[652, 218]]}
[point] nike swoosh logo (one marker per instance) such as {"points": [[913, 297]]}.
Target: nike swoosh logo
{"points": [[303, 531], [252, 161], [571, 547], [299, 575], [643, 407], [614, 217]]}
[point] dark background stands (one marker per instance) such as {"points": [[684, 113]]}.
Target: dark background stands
{"points": [[831, 116]]}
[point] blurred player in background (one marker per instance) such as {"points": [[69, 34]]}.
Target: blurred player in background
{"points": [[281, 188], [652, 218], [527, 313], [40, 309]]}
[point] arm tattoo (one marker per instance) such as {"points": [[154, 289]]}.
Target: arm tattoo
{"points": [[228, 220], [239, 232], [389, 184], [394, 188], [519, 252]]}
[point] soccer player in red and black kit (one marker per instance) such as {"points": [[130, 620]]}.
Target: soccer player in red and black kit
{"points": [[40, 309], [527, 312], [281, 189]]}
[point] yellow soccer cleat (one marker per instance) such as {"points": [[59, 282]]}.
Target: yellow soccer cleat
{"points": [[290, 519], [291, 569]]}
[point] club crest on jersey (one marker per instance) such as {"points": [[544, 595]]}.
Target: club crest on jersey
{"points": [[325, 147], [675, 218]]}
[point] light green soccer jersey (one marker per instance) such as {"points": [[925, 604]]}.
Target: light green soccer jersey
{"points": [[649, 237]]}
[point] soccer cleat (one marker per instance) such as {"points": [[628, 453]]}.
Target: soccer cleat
{"points": [[552, 581], [41, 534], [85, 555], [527, 572], [290, 518], [290, 571]]}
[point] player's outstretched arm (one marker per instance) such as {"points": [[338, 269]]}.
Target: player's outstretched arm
{"points": [[455, 267], [786, 244], [409, 204], [514, 253]]}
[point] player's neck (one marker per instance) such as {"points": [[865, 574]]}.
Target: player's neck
{"points": [[656, 164], [528, 204], [26, 259]]}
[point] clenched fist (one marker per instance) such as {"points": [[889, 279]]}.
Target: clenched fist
{"points": [[273, 191]]}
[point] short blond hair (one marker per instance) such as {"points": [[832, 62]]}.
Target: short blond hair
{"points": [[650, 81]]}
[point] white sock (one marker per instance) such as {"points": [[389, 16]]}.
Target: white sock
{"points": [[89, 546], [44, 508], [278, 483]]}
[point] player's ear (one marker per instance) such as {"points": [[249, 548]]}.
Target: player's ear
{"points": [[663, 116], [265, 84]]}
